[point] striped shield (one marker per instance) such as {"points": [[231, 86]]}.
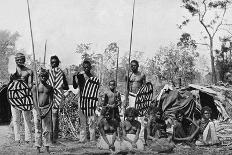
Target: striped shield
{"points": [[19, 95], [89, 99], [144, 98], [56, 81]]}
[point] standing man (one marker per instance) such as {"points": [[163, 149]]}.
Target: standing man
{"points": [[57, 80], [25, 75], [79, 80], [42, 111], [136, 80], [112, 100]]}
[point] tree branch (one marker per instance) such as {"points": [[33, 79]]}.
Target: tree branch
{"points": [[224, 12], [202, 44], [205, 10], [227, 31], [203, 24]]}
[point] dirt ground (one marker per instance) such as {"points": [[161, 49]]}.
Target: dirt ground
{"points": [[68, 147]]}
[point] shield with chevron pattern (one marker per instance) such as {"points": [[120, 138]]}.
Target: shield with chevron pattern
{"points": [[144, 98], [56, 81]]}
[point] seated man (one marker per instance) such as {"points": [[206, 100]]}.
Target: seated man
{"points": [[109, 129], [131, 129], [185, 130], [207, 132], [158, 138]]}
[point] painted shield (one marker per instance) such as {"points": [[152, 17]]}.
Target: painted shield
{"points": [[56, 81], [144, 98], [89, 96], [19, 95], [5, 108]]}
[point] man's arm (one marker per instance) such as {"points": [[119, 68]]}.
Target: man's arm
{"points": [[196, 130], [75, 81], [119, 100], [51, 95], [65, 83], [149, 131], [102, 132], [30, 79], [144, 79], [137, 132], [35, 100], [124, 133], [189, 138]]}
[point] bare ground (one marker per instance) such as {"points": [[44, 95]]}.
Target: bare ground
{"points": [[68, 147]]}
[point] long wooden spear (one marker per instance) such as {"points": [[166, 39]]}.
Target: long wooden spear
{"points": [[128, 70], [33, 50], [45, 52], [116, 78]]}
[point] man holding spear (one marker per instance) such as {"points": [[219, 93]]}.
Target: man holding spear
{"points": [[42, 111]]}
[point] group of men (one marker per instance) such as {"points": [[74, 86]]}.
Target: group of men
{"points": [[47, 94]]}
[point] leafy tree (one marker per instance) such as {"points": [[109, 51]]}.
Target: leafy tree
{"points": [[223, 58], [203, 10], [172, 62], [86, 54], [7, 48], [110, 61]]}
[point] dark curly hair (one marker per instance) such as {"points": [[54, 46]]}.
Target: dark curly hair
{"points": [[43, 72], [136, 62], [55, 57], [179, 112], [154, 110], [206, 108], [131, 112], [105, 112]]}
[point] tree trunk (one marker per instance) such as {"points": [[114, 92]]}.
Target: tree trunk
{"points": [[214, 78]]}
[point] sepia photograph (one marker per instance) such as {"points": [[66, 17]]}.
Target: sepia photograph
{"points": [[115, 77]]}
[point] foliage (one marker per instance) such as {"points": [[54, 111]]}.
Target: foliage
{"points": [[172, 62], [110, 57], [175, 61], [7, 48], [86, 54], [203, 10], [224, 58]]}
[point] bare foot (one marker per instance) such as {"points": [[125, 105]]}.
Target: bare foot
{"points": [[47, 150], [38, 150]]}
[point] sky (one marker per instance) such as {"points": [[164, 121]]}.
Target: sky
{"points": [[66, 23]]}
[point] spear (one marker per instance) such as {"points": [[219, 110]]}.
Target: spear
{"points": [[33, 50], [116, 78], [45, 52], [128, 70]]}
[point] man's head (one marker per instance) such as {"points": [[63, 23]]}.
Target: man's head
{"points": [[179, 116], [43, 75], [20, 59], [86, 66], [134, 65], [156, 112], [54, 60], [206, 112], [105, 112], [112, 84], [228, 77], [131, 113]]}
